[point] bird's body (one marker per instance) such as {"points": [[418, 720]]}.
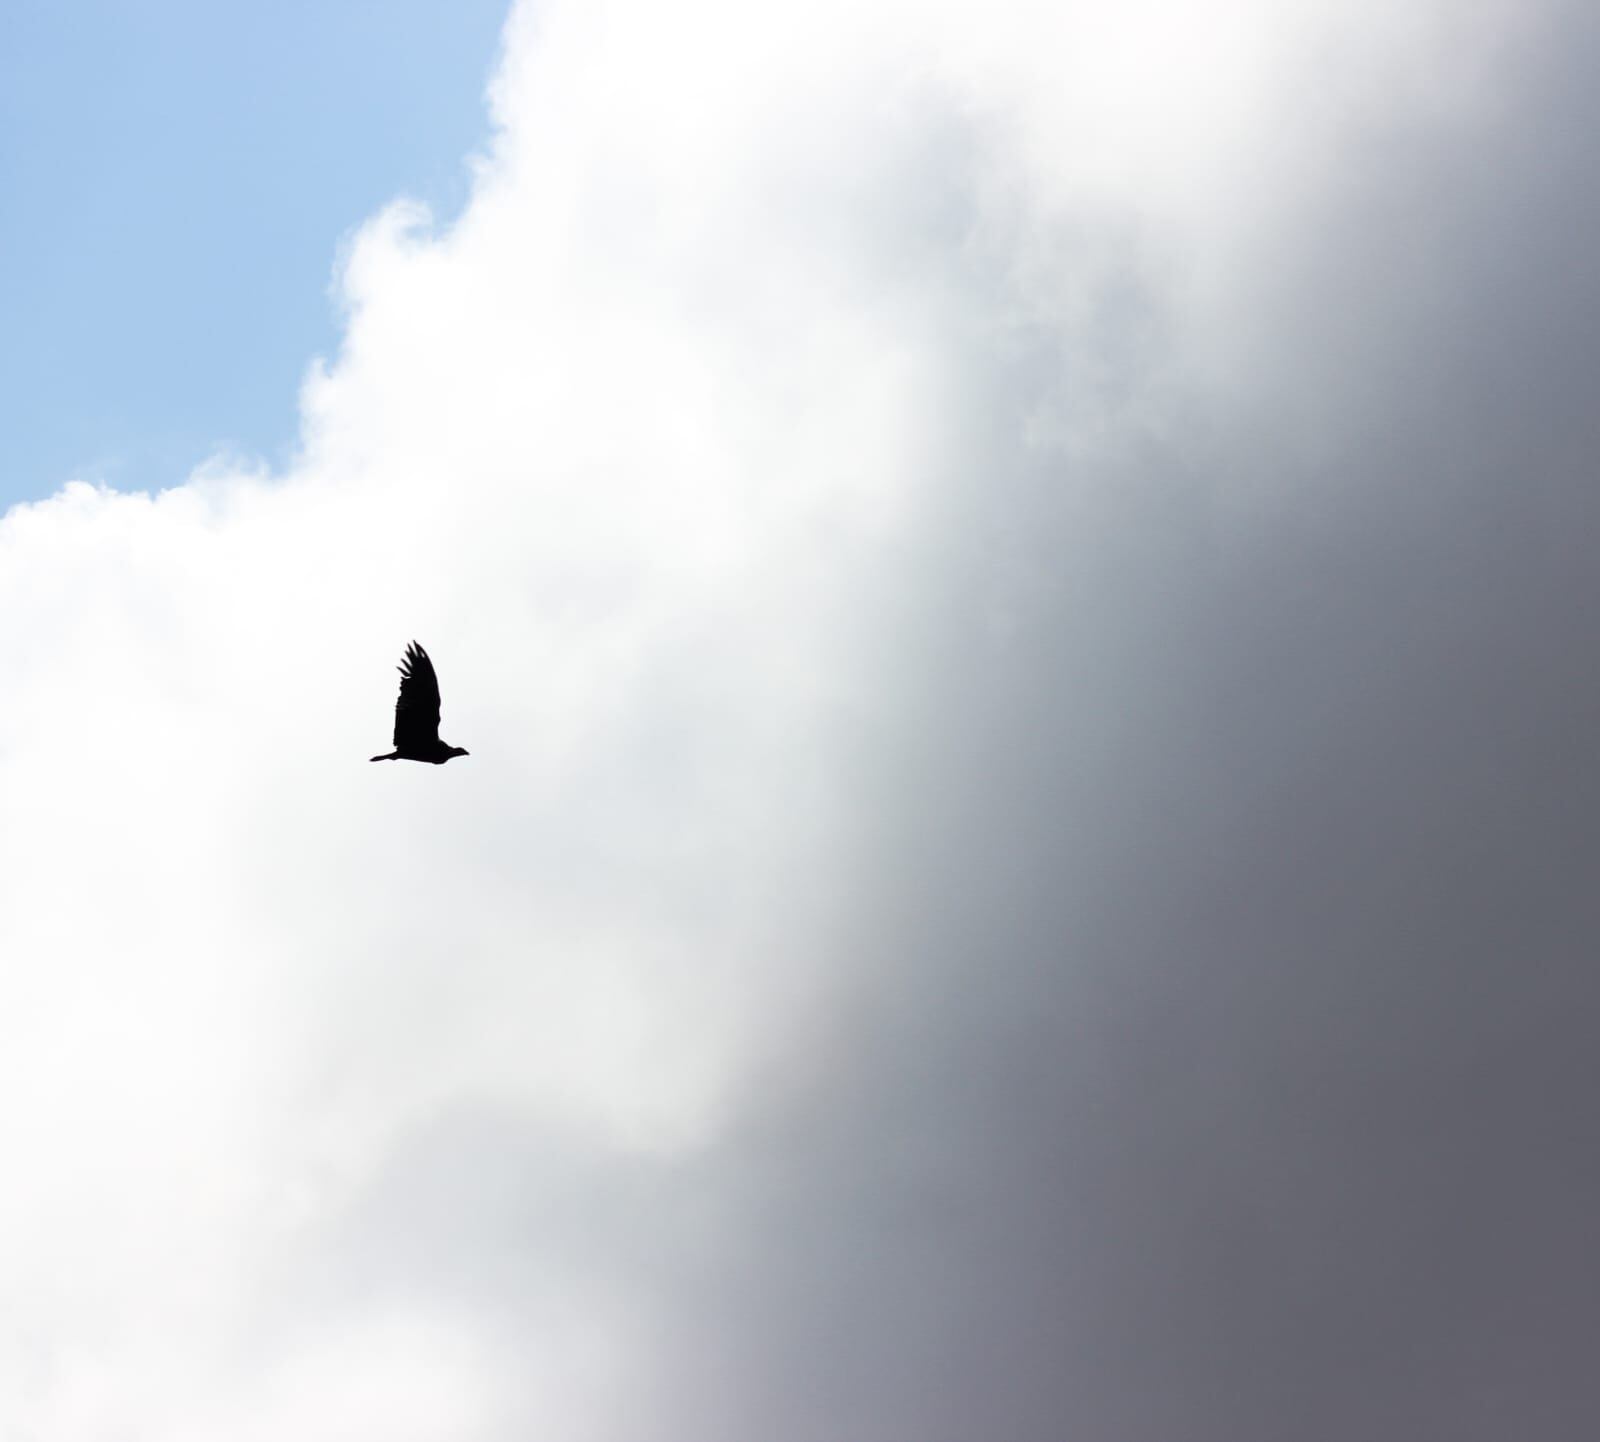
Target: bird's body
{"points": [[416, 714]]}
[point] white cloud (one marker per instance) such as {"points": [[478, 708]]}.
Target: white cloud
{"points": [[655, 449]]}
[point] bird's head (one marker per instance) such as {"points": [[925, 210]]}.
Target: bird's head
{"points": [[459, 751]]}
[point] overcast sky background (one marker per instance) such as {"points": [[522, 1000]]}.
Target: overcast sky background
{"points": [[1020, 585]]}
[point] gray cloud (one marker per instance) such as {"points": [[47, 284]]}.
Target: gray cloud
{"points": [[1226, 1066], [1221, 1062]]}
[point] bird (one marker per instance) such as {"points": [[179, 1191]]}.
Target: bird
{"points": [[416, 714]]}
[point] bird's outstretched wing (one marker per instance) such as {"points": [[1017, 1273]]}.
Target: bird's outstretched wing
{"points": [[416, 713]]}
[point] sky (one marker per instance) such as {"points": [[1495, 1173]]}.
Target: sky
{"points": [[178, 178], [1019, 584]]}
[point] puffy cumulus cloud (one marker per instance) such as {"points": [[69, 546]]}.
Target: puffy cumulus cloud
{"points": [[1019, 587]]}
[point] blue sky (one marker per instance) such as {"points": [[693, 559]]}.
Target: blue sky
{"points": [[175, 178]]}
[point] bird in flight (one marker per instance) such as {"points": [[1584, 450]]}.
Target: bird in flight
{"points": [[416, 714]]}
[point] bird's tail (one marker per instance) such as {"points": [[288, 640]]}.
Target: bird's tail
{"points": [[392, 756]]}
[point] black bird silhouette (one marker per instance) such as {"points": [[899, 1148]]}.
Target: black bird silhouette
{"points": [[416, 714]]}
